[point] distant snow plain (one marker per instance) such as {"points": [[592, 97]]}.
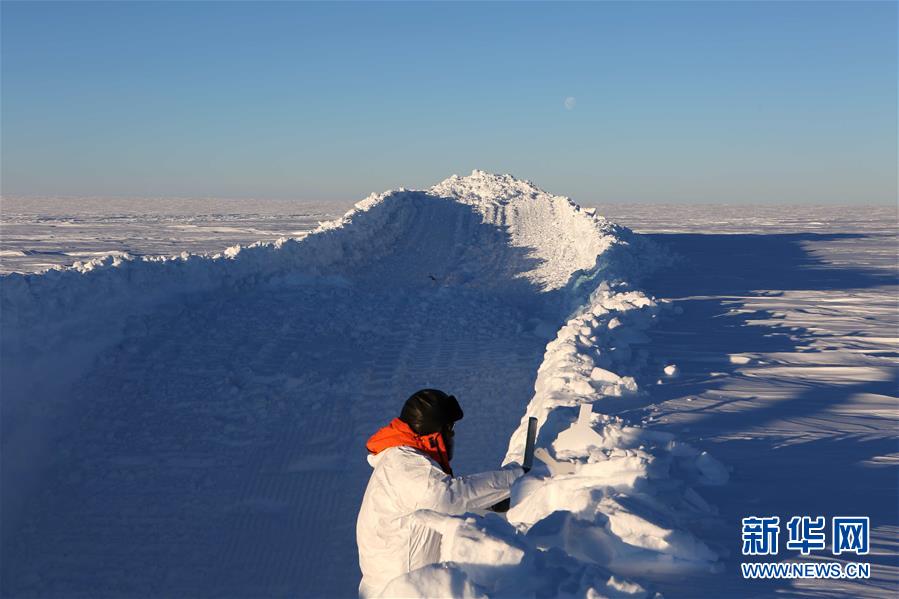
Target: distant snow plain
{"points": [[41, 233], [779, 356]]}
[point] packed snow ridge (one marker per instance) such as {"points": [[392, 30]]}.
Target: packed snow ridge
{"points": [[610, 505]]}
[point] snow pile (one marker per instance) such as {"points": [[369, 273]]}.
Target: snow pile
{"points": [[59, 321], [614, 501], [561, 237], [40, 311], [622, 500], [488, 557]]}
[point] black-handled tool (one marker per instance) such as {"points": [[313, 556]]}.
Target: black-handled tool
{"points": [[529, 444]]}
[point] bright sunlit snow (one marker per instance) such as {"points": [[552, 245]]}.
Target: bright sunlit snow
{"points": [[195, 425]]}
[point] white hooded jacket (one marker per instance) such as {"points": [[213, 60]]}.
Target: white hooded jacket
{"points": [[391, 541]]}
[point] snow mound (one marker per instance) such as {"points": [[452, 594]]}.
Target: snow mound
{"points": [[616, 499], [620, 503]]}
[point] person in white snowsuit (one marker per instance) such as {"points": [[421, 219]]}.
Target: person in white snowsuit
{"points": [[411, 457]]}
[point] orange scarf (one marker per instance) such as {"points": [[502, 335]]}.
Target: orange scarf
{"points": [[398, 434]]}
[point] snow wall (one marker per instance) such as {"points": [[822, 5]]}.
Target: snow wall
{"points": [[621, 503]]}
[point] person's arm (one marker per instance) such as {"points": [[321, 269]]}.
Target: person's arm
{"points": [[461, 494], [503, 506]]}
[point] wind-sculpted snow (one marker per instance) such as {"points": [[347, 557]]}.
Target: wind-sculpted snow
{"points": [[626, 501], [233, 393]]}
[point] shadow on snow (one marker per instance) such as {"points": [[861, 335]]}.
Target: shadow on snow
{"points": [[799, 472]]}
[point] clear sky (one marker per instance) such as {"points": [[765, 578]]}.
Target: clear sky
{"points": [[606, 102]]}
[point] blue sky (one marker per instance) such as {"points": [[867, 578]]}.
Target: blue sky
{"points": [[751, 102]]}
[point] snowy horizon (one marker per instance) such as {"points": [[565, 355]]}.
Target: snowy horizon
{"points": [[53, 232]]}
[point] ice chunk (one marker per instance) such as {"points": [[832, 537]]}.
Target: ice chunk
{"points": [[600, 374], [739, 359], [580, 436]]}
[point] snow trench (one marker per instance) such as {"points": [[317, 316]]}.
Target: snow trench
{"points": [[618, 508]]}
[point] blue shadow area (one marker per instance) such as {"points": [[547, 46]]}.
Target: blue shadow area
{"points": [[799, 472]]}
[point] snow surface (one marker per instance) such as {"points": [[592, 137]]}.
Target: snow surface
{"points": [[195, 426], [785, 331], [37, 234]]}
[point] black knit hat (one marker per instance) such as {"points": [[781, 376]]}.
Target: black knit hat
{"points": [[429, 410]]}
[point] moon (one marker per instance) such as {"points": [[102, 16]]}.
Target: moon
{"points": [[570, 102]]}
